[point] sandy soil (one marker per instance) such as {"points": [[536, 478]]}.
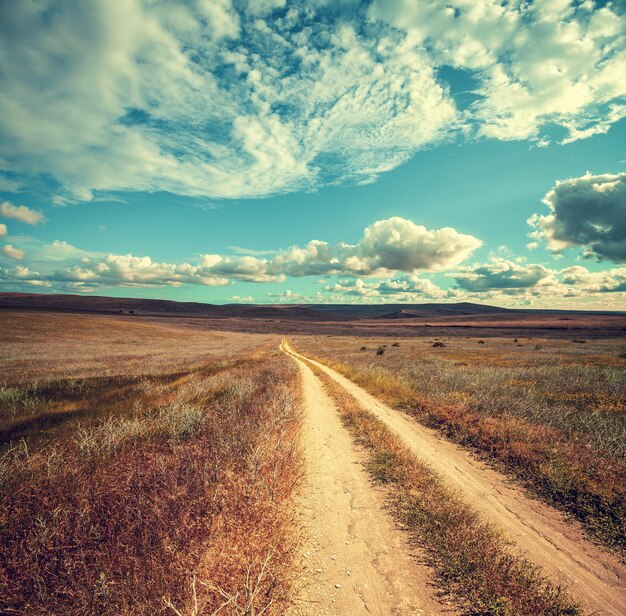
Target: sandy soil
{"points": [[594, 577], [355, 561]]}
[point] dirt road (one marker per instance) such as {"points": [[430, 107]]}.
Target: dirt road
{"points": [[355, 560], [594, 577]]}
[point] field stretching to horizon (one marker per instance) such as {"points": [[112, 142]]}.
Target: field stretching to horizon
{"points": [[550, 412], [140, 461], [160, 466]]}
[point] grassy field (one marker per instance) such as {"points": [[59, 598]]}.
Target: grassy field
{"points": [[153, 466], [551, 412], [144, 470], [472, 560]]}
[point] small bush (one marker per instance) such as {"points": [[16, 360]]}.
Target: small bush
{"points": [[577, 340], [380, 350], [395, 344], [363, 348], [481, 342], [438, 344]]}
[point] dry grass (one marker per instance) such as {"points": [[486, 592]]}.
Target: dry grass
{"points": [[147, 492], [555, 417], [471, 558], [38, 347]]}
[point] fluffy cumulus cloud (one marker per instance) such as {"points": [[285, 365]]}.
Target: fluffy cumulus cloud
{"points": [[225, 99], [519, 283], [22, 213], [589, 211], [503, 274], [12, 252], [3, 230], [579, 278], [387, 246], [400, 289], [243, 299], [390, 245], [23, 276]]}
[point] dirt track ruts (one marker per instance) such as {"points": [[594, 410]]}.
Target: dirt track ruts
{"points": [[355, 560], [594, 577]]}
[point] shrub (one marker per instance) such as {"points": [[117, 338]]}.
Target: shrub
{"points": [[380, 350], [438, 344]]}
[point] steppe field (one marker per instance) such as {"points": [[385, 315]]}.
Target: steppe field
{"points": [[189, 466]]}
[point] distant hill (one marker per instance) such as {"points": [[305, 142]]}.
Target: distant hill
{"points": [[269, 312], [315, 312], [158, 307], [408, 311]]}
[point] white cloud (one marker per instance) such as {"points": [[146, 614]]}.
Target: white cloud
{"points": [[216, 99], [390, 245], [537, 63], [21, 275], [501, 280], [12, 252], [22, 213], [3, 230], [250, 269], [201, 100], [397, 244], [589, 211], [501, 273], [262, 7], [132, 271], [246, 299], [387, 246], [401, 289], [582, 280]]}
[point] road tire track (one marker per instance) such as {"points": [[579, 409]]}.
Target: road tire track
{"points": [[355, 560], [594, 577]]}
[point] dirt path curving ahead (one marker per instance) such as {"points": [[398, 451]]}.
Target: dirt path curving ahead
{"points": [[594, 577], [355, 560]]}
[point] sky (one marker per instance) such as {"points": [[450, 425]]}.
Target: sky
{"points": [[319, 151]]}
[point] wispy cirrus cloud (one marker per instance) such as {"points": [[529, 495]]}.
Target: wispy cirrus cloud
{"points": [[223, 100]]}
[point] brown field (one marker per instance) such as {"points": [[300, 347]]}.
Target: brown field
{"points": [[550, 411], [161, 465], [144, 467]]}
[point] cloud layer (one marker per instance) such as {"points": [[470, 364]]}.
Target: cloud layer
{"points": [[220, 99], [390, 245], [589, 211]]}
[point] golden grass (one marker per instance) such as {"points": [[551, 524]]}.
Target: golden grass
{"points": [[471, 559], [553, 417], [157, 489]]}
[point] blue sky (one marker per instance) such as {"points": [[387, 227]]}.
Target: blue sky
{"points": [[274, 151]]}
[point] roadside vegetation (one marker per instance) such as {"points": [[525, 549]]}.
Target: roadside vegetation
{"points": [[553, 414], [156, 490], [472, 561]]}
